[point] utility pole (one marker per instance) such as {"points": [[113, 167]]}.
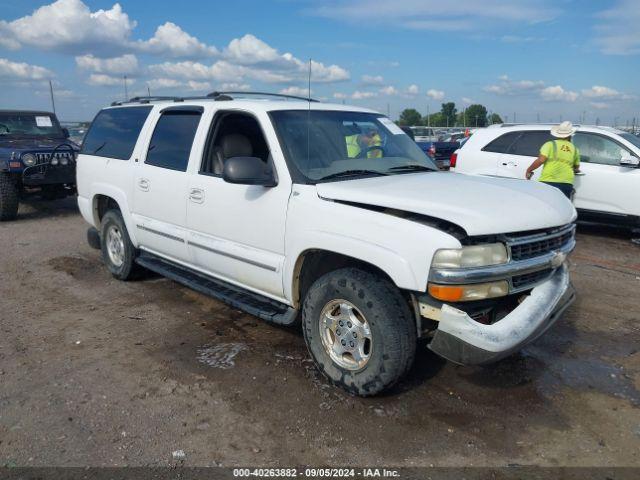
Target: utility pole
{"points": [[126, 93], [476, 121], [148, 90], [428, 117], [514, 117], [388, 110], [53, 103]]}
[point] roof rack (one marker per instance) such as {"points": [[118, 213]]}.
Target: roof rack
{"points": [[266, 94], [218, 96]]}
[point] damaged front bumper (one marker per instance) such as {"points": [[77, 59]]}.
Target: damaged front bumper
{"points": [[462, 340]]}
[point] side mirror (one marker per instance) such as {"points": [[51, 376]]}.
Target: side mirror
{"points": [[629, 161], [65, 132], [248, 171]]}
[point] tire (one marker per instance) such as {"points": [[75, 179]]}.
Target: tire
{"points": [[375, 364], [118, 253], [8, 198]]}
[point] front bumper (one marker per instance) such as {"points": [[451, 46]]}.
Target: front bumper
{"points": [[49, 175], [462, 340]]}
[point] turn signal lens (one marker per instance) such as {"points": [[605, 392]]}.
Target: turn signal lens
{"points": [[468, 293]]}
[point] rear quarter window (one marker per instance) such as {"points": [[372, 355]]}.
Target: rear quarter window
{"points": [[529, 143], [114, 132], [502, 143]]}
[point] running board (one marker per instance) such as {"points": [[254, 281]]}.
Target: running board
{"points": [[252, 303]]}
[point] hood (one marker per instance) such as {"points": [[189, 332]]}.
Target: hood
{"points": [[32, 144], [480, 205]]}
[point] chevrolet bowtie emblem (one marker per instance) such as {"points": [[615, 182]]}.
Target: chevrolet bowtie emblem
{"points": [[558, 259]]}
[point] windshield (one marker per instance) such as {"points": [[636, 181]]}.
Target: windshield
{"points": [[29, 125], [632, 139], [326, 145]]}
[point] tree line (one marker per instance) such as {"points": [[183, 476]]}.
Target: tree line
{"points": [[449, 116]]}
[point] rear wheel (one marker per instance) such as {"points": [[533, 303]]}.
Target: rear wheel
{"points": [[118, 253], [359, 330], [8, 198]]}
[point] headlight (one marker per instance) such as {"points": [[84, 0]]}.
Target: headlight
{"points": [[473, 256], [29, 159], [467, 293]]}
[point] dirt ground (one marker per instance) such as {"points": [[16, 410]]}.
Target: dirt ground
{"points": [[98, 372]]}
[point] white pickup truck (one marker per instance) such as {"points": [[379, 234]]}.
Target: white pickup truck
{"points": [[289, 211]]}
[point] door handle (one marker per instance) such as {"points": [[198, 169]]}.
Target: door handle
{"points": [[196, 195], [580, 174], [144, 184]]}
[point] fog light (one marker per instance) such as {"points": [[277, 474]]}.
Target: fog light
{"points": [[64, 161], [54, 161], [468, 293]]}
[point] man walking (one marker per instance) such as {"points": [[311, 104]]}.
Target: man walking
{"points": [[561, 160]]}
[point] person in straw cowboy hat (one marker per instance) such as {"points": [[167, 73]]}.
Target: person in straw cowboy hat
{"points": [[561, 159]]}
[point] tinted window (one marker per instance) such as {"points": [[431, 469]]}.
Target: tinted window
{"points": [[529, 143], [114, 132], [172, 138], [599, 149], [502, 143]]}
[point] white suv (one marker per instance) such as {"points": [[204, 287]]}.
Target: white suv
{"points": [[281, 209], [606, 191]]}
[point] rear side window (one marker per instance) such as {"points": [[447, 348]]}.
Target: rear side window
{"points": [[114, 132], [502, 143], [529, 143], [172, 138]]}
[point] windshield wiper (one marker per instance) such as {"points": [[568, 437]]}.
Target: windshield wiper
{"points": [[353, 173], [412, 168]]}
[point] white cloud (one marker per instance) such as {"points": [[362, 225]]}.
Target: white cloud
{"points": [[468, 101], [438, 15], [558, 93], [169, 39], [250, 57], [161, 83], [435, 94], [372, 80], [601, 92], [413, 89], [69, 26], [235, 87], [125, 64], [599, 105], [617, 29], [340, 96], [358, 95], [22, 71], [389, 90], [102, 80], [296, 91], [513, 87]]}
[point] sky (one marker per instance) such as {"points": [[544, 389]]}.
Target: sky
{"points": [[527, 60]]}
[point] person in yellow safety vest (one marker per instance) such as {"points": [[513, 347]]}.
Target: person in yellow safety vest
{"points": [[561, 160], [374, 140], [353, 145], [356, 143]]}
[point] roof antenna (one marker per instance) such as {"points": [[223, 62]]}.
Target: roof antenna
{"points": [[309, 116]]}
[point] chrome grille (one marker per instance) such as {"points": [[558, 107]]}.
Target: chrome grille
{"points": [[523, 248], [530, 279]]}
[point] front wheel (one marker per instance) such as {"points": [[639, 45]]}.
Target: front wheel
{"points": [[359, 330], [8, 198]]}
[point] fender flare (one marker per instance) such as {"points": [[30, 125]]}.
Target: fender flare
{"points": [[391, 263], [121, 199]]}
